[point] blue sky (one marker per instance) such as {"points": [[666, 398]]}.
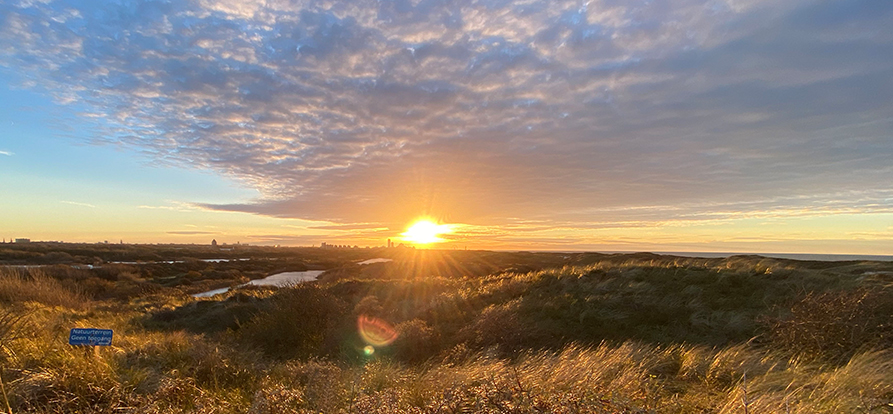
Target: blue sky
{"points": [[622, 125]]}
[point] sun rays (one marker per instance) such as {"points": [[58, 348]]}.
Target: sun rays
{"points": [[425, 231]]}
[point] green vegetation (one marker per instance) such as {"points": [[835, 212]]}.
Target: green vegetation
{"points": [[478, 332]]}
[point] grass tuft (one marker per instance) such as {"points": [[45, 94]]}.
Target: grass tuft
{"points": [[35, 285]]}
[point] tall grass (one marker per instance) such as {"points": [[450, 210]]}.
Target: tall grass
{"points": [[35, 285], [645, 335], [627, 378], [13, 326]]}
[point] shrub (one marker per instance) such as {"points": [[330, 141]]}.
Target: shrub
{"points": [[369, 306], [500, 325], [835, 325], [301, 321], [112, 271], [416, 341]]}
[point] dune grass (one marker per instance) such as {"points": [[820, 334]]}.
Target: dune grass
{"points": [[35, 285], [640, 334]]}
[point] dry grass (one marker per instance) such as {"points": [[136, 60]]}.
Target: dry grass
{"points": [[178, 372], [34, 285], [570, 340], [629, 378]]}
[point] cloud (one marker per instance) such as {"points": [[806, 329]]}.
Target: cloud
{"points": [[483, 111], [173, 206], [366, 227], [75, 203], [191, 232], [7, 153], [306, 239]]}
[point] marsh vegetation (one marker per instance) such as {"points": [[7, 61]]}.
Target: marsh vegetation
{"points": [[476, 332]]}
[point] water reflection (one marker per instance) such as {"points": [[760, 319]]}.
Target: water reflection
{"points": [[279, 279]]}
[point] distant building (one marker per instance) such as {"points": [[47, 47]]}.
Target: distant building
{"points": [[23, 240], [390, 244], [214, 242]]}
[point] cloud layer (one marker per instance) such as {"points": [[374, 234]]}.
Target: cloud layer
{"points": [[488, 112]]}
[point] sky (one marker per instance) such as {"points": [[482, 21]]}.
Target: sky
{"points": [[678, 125]]}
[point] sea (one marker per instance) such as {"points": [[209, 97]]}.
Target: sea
{"points": [[794, 256]]}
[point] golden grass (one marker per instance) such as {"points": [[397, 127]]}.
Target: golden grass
{"points": [[34, 285], [466, 349], [154, 372]]}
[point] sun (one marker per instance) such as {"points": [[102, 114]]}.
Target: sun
{"points": [[426, 232]]}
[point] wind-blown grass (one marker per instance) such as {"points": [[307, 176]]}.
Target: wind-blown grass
{"points": [[643, 334], [35, 285], [628, 378]]}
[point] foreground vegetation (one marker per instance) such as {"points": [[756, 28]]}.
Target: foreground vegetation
{"points": [[477, 332]]}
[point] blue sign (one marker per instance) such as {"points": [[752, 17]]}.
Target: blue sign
{"points": [[90, 336]]}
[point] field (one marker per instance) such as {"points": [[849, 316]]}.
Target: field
{"points": [[451, 332]]}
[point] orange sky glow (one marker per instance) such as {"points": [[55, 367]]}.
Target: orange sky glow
{"points": [[700, 126]]}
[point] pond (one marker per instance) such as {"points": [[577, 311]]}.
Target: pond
{"points": [[284, 279], [279, 279], [371, 261]]}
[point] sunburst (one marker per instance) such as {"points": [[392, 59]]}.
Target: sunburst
{"points": [[426, 232]]}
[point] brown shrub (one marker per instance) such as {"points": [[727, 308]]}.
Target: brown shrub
{"points": [[416, 341], [835, 325], [500, 325], [301, 321]]}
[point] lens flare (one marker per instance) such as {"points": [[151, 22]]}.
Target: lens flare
{"points": [[376, 332], [368, 350]]}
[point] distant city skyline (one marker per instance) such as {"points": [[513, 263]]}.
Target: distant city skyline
{"points": [[695, 125]]}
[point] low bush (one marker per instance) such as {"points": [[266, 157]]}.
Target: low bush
{"points": [[835, 325], [416, 341], [300, 321]]}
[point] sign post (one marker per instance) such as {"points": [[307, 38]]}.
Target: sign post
{"points": [[91, 337]]}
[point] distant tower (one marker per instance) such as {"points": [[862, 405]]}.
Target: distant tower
{"points": [[213, 242]]}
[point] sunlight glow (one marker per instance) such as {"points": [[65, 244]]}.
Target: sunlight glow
{"points": [[426, 232]]}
